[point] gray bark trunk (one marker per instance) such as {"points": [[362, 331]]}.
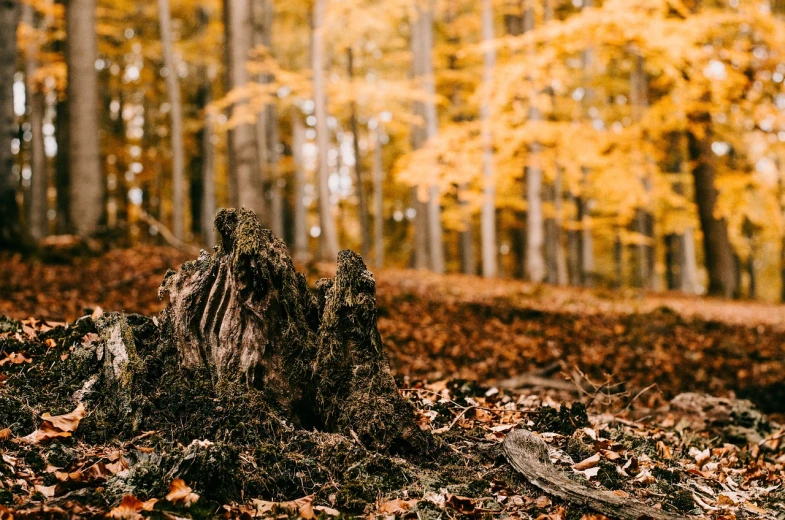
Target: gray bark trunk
{"points": [[328, 238], [420, 253], [9, 212], [300, 215], [378, 198], [176, 112], [38, 223], [535, 257], [488, 215], [86, 194], [362, 206], [244, 161], [208, 183]]}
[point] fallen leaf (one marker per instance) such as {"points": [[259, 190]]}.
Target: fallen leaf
{"points": [[47, 491], [180, 492], [542, 502], [129, 508], [67, 422], [50, 343], [396, 506], [5, 434], [15, 358], [587, 463]]}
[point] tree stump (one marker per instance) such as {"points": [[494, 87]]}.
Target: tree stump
{"points": [[249, 317]]}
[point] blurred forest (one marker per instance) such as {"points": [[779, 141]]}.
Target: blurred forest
{"points": [[619, 143]]}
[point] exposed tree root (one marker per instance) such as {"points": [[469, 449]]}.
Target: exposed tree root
{"points": [[528, 454]]}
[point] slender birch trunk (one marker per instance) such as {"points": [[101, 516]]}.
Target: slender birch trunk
{"points": [[362, 209], [38, 223], [300, 215], [488, 215], [329, 236], [378, 199], [176, 112]]}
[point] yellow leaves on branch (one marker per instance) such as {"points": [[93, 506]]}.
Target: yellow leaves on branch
{"points": [[56, 426]]}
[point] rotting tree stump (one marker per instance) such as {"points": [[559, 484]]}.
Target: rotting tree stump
{"points": [[246, 315]]}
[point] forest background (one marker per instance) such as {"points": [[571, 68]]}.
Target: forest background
{"points": [[634, 143]]}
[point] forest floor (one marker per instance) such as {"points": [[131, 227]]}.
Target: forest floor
{"points": [[477, 358]]}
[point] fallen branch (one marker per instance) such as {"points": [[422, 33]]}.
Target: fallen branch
{"points": [[167, 234], [528, 454], [539, 379]]}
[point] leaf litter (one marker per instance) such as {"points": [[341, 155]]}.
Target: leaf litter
{"points": [[689, 454]]}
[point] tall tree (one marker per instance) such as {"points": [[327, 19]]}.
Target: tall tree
{"points": [[424, 72], [329, 235], [362, 205], [488, 214], [176, 112], [535, 223], [37, 220], [9, 212], [718, 252], [378, 199], [300, 212], [245, 175], [86, 193]]}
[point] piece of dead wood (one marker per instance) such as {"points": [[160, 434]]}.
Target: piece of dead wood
{"points": [[528, 454], [538, 378], [167, 234]]}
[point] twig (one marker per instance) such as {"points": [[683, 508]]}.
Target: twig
{"points": [[167, 234]]}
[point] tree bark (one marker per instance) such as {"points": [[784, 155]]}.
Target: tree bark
{"points": [[300, 214], [248, 316], [10, 229], [86, 194], [37, 220], [362, 205], [488, 215], [176, 111], [328, 238], [378, 198], [718, 251], [248, 190]]}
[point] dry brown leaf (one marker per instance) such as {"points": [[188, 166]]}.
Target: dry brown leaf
{"points": [[180, 492], [47, 491], [587, 463], [5, 434], [129, 508], [15, 358], [542, 502], [397, 506], [50, 343], [67, 422]]}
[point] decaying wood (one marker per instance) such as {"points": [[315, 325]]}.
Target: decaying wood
{"points": [[528, 454], [249, 317]]}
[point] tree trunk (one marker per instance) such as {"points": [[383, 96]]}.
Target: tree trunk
{"points": [[718, 250], [86, 194], [418, 137], [10, 230], [173, 91], [208, 179], [37, 221], [378, 198], [318, 359], [244, 160], [488, 215], [267, 122], [468, 263], [62, 178], [300, 214], [433, 204], [328, 238], [362, 206]]}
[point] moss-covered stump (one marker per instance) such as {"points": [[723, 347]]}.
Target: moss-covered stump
{"points": [[247, 316]]}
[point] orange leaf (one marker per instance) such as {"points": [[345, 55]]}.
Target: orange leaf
{"points": [[67, 422], [180, 492], [129, 507]]}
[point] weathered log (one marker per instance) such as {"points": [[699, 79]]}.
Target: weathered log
{"points": [[248, 316], [528, 454]]}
